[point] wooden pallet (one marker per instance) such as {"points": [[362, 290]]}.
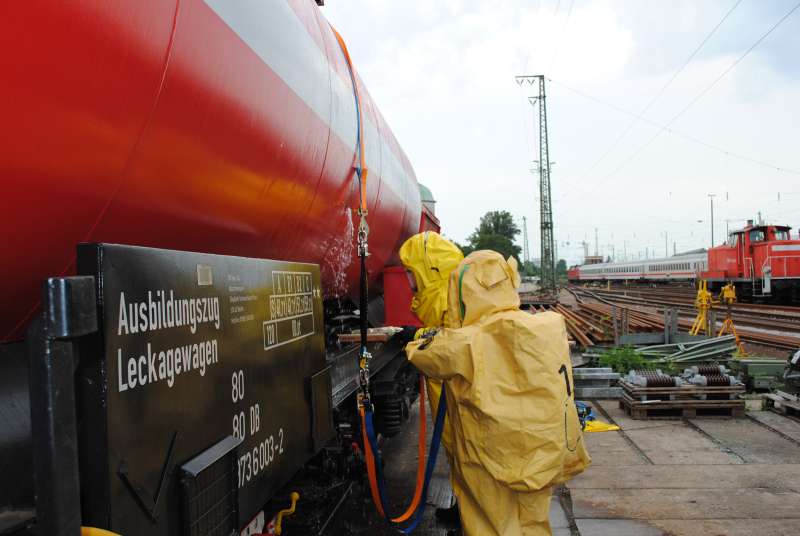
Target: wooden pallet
{"points": [[677, 409], [684, 392], [782, 405]]}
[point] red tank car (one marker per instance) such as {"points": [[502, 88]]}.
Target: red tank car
{"points": [[762, 260], [214, 126]]}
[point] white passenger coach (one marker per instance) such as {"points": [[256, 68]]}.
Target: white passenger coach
{"points": [[677, 268]]}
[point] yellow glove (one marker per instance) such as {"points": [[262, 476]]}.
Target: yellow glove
{"points": [[425, 333]]}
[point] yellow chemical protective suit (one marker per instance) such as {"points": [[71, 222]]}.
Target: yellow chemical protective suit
{"points": [[509, 400], [431, 258]]}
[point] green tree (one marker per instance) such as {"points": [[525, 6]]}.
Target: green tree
{"points": [[496, 231], [466, 249], [530, 269], [561, 270]]}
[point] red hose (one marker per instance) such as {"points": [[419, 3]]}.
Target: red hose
{"points": [[421, 455], [370, 460]]}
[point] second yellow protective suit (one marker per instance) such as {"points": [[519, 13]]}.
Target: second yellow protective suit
{"points": [[515, 429], [431, 258]]}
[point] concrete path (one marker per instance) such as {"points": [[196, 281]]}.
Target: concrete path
{"points": [[705, 476], [696, 477]]}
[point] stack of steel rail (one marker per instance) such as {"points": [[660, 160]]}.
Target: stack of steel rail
{"points": [[591, 323], [717, 349], [579, 327], [637, 320]]}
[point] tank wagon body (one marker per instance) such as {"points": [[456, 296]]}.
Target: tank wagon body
{"points": [[199, 125], [157, 154]]}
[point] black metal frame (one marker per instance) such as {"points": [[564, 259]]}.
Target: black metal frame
{"points": [[68, 312]]}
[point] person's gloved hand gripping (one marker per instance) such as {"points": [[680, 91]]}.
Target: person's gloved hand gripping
{"points": [[412, 333], [443, 355]]}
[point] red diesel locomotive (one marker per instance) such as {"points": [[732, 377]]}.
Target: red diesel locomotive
{"points": [[762, 260]]}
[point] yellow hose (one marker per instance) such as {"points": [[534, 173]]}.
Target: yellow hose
{"points": [[94, 531], [286, 512]]}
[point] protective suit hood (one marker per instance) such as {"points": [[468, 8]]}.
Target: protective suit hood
{"points": [[483, 284], [431, 258]]}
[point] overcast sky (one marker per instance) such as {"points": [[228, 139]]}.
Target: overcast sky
{"points": [[442, 73]]}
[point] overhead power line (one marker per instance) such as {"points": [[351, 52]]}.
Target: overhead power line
{"points": [[691, 57], [735, 63], [561, 37], [670, 130], [659, 93], [528, 55], [558, 6], [692, 102]]}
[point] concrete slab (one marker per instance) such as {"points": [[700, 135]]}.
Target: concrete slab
{"points": [[401, 473], [440, 492], [685, 504], [558, 519], [714, 477], [749, 440], [581, 375], [786, 426], [730, 477], [401, 456], [726, 527], [679, 444], [617, 527], [584, 391], [611, 449], [618, 415]]}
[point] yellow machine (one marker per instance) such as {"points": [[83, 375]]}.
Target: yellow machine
{"points": [[728, 296], [704, 302]]}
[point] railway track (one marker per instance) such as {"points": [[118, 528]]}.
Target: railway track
{"points": [[686, 297], [767, 320], [774, 326]]}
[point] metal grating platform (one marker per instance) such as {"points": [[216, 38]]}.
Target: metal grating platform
{"points": [[209, 485]]}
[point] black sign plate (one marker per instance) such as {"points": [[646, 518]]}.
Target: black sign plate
{"points": [[193, 348]]}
